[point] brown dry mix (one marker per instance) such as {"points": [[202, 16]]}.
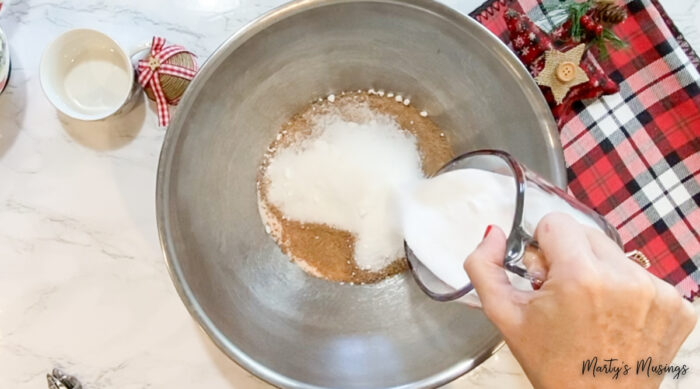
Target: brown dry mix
{"points": [[324, 251]]}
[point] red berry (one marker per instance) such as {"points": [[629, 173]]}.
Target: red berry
{"points": [[598, 30], [586, 22]]}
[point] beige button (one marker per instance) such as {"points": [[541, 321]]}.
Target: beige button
{"points": [[566, 71], [153, 63]]}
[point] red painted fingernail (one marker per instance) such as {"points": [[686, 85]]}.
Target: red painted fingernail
{"points": [[488, 229]]}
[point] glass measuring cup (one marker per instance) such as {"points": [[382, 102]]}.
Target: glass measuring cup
{"points": [[533, 197]]}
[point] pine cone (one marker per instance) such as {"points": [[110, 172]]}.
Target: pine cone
{"points": [[610, 12]]}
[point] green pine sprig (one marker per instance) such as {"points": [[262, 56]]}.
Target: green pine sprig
{"points": [[576, 10], [608, 36]]}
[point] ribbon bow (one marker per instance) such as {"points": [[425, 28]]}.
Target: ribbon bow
{"points": [[151, 68]]}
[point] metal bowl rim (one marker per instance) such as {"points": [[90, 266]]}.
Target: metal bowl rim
{"points": [[175, 129]]}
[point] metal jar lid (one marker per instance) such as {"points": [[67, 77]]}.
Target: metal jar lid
{"points": [[4, 61]]}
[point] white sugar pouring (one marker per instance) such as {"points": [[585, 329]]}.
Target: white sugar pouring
{"points": [[444, 219], [346, 176]]}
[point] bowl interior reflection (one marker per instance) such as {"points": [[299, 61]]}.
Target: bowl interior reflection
{"points": [[266, 313]]}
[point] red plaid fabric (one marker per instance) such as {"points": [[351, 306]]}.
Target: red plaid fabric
{"points": [[634, 156]]}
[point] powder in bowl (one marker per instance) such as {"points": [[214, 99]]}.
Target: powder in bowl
{"points": [[328, 183]]}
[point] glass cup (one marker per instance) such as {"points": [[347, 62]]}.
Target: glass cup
{"points": [[533, 198]]}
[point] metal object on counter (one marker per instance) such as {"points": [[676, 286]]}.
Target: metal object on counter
{"points": [[4, 61], [266, 313], [57, 379]]}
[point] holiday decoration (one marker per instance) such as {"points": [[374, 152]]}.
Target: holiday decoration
{"points": [[531, 45], [165, 75], [562, 71], [590, 22], [608, 11], [607, 143], [173, 86]]}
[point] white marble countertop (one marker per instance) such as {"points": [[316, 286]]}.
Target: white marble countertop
{"points": [[83, 284]]}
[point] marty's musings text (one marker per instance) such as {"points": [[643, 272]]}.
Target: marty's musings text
{"points": [[614, 368]]}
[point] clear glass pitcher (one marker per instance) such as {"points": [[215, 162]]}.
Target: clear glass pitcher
{"points": [[529, 188]]}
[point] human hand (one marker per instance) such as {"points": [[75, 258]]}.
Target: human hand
{"points": [[594, 302]]}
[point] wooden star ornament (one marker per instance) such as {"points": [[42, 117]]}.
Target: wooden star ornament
{"points": [[562, 71], [533, 47]]}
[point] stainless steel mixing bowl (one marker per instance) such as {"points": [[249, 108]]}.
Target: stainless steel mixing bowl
{"points": [[267, 314]]}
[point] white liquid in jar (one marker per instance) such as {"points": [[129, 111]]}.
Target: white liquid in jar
{"points": [[97, 82]]}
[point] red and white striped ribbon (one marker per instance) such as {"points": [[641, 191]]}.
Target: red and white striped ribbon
{"points": [[151, 68]]}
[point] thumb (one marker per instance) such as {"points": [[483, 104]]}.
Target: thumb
{"points": [[485, 269]]}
